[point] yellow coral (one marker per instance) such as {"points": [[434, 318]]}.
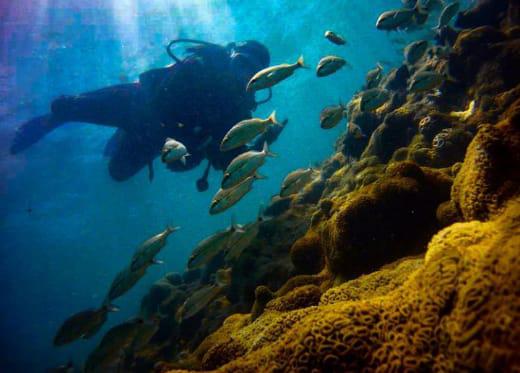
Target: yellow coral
{"points": [[490, 174], [460, 311]]}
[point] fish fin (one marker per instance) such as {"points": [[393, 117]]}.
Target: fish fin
{"points": [[301, 63], [234, 226], [168, 139], [267, 152], [183, 159], [157, 261], [171, 229], [112, 308], [257, 176]]}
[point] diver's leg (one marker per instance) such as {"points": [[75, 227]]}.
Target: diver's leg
{"points": [[120, 106], [131, 155]]}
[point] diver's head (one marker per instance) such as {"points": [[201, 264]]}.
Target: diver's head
{"points": [[248, 57]]}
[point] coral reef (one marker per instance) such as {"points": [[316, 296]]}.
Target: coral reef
{"points": [[459, 311], [490, 174], [401, 256], [402, 205]]}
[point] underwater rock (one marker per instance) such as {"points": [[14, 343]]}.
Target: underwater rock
{"points": [[307, 254], [392, 134], [158, 292], [312, 192], [490, 174], [486, 60], [402, 205], [278, 206], [484, 13]]}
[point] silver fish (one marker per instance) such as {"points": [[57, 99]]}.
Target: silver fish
{"points": [[395, 19], [239, 241], [447, 14], [374, 76], [245, 131], [295, 181], [354, 131], [145, 254], [332, 115], [225, 198], [83, 324], [124, 281], [270, 76], [211, 246], [114, 342], [244, 166], [174, 150], [415, 51], [198, 301], [329, 65], [223, 277], [335, 38], [371, 99], [425, 81]]}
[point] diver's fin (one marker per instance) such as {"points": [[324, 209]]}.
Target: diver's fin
{"points": [[32, 131]]}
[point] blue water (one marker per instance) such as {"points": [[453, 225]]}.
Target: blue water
{"points": [[60, 257]]}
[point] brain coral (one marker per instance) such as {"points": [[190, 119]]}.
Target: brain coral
{"points": [[388, 219], [460, 311], [490, 174], [306, 253]]}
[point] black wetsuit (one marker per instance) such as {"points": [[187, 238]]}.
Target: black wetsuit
{"points": [[195, 101]]}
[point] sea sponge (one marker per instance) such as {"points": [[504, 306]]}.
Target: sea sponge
{"points": [[490, 174], [306, 253]]}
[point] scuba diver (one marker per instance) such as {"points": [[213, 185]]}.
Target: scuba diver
{"points": [[195, 100]]}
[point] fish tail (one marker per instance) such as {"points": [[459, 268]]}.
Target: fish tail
{"points": [[272, 118], [266, 151], [301, 63], [171, 229]]}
